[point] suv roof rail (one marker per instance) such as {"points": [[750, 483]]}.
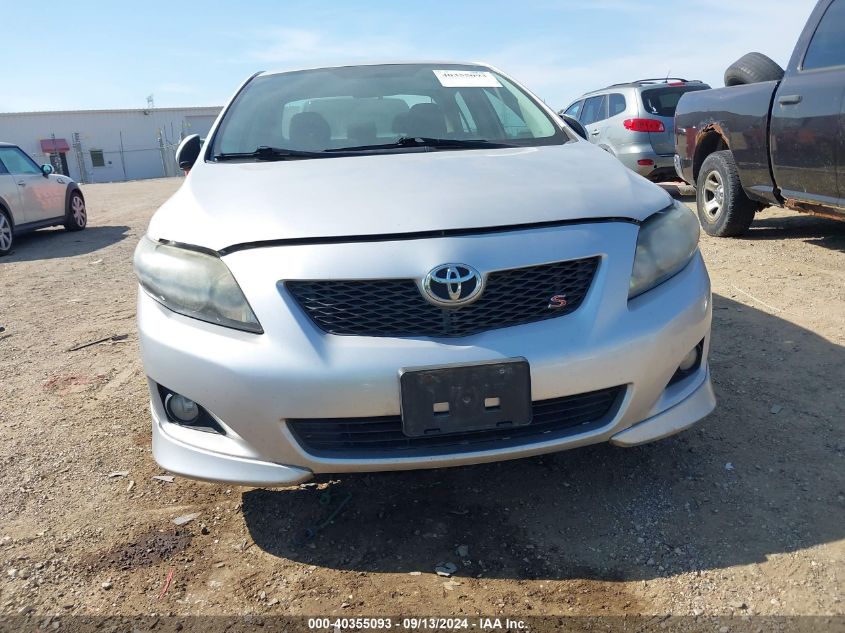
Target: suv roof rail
{"points": [[660, 80], [656, 80]]}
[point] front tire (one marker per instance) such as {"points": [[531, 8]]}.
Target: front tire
{"points": [[7, 233], [723, 208], [76, 216]]}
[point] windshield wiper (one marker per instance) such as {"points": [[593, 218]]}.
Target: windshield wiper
{"points": [[269, 153], [425, 141]]}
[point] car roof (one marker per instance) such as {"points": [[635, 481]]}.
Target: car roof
{"points": [[670, 82], [3, 144], [382, 62]]}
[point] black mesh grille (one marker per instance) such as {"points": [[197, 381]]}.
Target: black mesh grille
{"points": [[395, 307], [373, 437]]}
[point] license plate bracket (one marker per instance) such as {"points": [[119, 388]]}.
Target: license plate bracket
{"points": [[451, 399]]}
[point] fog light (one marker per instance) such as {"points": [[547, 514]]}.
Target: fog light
{"points": [[690, 363], [181, 408], [185, 412], [690, 360]]}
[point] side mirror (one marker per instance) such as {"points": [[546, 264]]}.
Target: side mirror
{"points": [[188, 152], [46, 169], [576, 126]]}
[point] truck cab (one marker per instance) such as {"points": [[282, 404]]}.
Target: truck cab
{"points": [[778, 139]]}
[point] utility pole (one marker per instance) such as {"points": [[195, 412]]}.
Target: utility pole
{"points": [[122, 158], [162, 152], [80, 158]]}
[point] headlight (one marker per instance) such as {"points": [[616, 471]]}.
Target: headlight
{"points": [[195, 284], [666, 243]]}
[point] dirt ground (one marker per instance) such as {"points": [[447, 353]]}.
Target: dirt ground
{"points": [[743, 515]]}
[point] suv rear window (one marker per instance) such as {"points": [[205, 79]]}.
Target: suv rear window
{"points": [[662, 101]]}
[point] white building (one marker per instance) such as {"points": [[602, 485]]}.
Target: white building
{"points": [[107, 145]]}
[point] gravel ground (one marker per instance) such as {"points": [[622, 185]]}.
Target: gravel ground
{"points": [[744, 515]]}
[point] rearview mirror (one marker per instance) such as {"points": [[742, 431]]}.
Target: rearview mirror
{"points": [[46, 169], [576, 126], [188, 152]]}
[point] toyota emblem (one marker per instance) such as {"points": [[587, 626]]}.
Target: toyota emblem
{"points": [[452, 285]]}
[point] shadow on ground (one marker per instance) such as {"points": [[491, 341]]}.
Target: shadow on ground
{"points": [[803, 226], [810, 228], [53, 243], [744, 485]]}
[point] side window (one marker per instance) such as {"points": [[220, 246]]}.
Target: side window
{"points": [[595, 109], [3, 169], [17, 162], [827, 48], [575, 109], [616, 104]]}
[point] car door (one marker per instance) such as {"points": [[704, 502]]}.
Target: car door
{"points": [[806, 126], [9, 196], [41, 197], [593, 117], [615, 135]]}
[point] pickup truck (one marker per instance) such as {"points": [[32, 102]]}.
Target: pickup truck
{"points": [[770, 137]]}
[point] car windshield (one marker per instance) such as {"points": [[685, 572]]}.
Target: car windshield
{"points": [[380, 107]]}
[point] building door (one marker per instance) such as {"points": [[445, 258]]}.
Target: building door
{"points": [[59, 162]]}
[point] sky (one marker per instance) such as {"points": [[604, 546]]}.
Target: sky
{"points": [[100, 55]]}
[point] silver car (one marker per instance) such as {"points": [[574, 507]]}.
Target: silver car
{"points": [[33, 197], [400, 266], [636, 122]]}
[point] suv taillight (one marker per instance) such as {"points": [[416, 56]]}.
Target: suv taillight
{"points": [[644, 125]]}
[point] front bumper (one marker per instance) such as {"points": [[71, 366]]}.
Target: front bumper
{"points": [[254, 383], [189, 460]]}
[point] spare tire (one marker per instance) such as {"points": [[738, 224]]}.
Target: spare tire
{"points": [[752, 68]]}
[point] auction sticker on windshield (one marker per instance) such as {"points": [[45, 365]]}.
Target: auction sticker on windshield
{"points": [[466, 79]]}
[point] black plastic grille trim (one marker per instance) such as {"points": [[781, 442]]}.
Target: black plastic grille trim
{"points": [[364, 438], [395, 307]]}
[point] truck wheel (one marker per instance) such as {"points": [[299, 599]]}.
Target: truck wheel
{"points": [[752, 68], [723, 208]]}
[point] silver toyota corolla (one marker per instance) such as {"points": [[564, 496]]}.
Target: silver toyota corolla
{"points": [[400, 266]]}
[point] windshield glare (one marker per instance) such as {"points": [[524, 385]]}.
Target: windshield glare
{"points": [[360, 106]]}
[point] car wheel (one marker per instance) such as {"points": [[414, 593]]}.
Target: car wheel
{"points": [[76, 216], [723, 208], [753, 68], [7, 234]]}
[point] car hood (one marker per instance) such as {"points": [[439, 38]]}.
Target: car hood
{"points": [[231, 203]]}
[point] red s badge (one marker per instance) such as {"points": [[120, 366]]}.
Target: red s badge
{"points": [[556, 302]]}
